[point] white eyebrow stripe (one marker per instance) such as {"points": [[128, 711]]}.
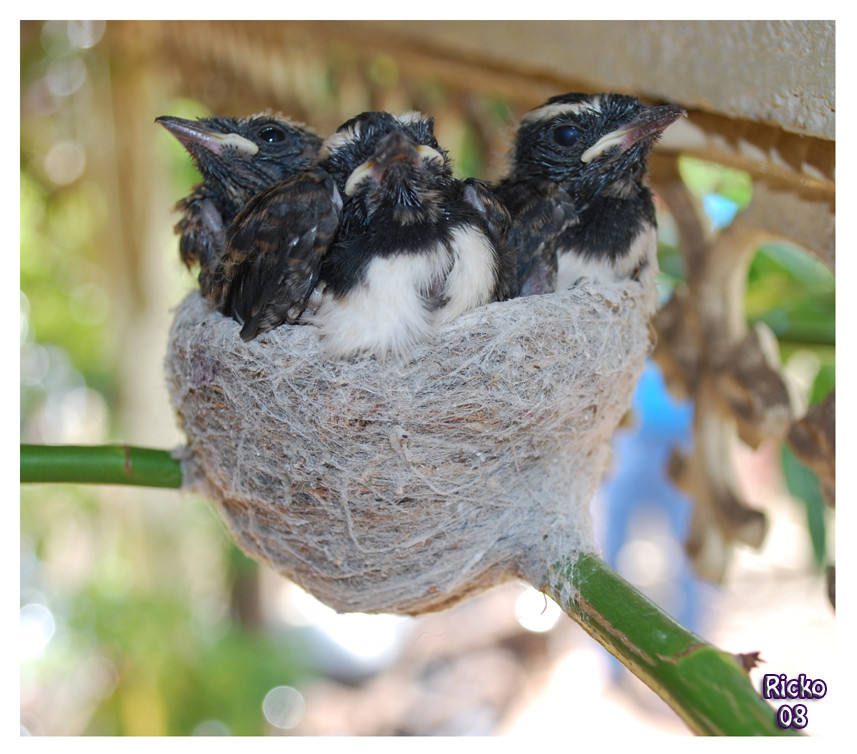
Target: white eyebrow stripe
{"points": [[547, 112], [410, 117], [339, 139], [351, 134]]}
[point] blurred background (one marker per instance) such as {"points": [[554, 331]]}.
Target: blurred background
{"points": [[138, 614]]}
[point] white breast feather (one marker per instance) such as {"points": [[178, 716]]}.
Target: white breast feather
{"points": [[387, 311], [573, 268], [472, 280]]}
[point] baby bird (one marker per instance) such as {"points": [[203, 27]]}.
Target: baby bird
{"points": [[238, 158], [416, 246], [577, 195]]}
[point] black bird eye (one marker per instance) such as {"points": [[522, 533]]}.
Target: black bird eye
{"points": [[565, 136], [272, 134]]}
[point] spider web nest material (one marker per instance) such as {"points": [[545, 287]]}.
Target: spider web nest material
{"points": [[406, 486]]}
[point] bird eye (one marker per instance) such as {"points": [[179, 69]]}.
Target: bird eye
{"points": [[565, 136], [272, 134]]}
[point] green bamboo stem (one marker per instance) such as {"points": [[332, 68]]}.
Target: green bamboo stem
{"points": [[708, 688], [100, 464]]}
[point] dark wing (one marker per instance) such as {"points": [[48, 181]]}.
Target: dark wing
{"points": [[482, 196], [202, 234], [497, 223], [274, 250], [540, 213]]}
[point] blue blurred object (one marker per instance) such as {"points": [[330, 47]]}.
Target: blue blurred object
{"points": [[720, 210], [640, 490]]}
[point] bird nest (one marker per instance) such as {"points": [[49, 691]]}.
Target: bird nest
{"points": [[405, 486]]}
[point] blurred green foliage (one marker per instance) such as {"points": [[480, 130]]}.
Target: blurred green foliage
{"points": [[149, 639], [794, 294], [66, 291], [185, 679]]}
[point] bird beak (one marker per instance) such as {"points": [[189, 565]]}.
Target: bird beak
{"points": [[192, 135], [651, 122], [397, 147]]}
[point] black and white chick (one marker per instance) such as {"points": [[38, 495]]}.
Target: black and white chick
{"points": [[413, 247], [238, 158], [577, 195]]}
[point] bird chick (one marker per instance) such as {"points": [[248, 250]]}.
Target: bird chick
{"points": [[238, 158], [415, 248], [577, 195]]}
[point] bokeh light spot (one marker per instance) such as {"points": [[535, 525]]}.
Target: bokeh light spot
{"points": [[85, 34], [65, 76], [212, 728], [37, 629], [535, 611], [284, 707], [64, 162]]}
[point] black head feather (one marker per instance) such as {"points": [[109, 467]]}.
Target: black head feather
{"points": [[267, 149], [589, 144], [398, 188]]}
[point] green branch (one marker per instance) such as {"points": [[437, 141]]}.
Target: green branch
{"points": [[708, 688], [100, 464]]}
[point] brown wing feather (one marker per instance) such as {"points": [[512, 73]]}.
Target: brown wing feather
{"points": [[274, 251]]}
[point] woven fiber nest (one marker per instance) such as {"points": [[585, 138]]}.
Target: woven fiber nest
{"points": [[406, 486]]}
